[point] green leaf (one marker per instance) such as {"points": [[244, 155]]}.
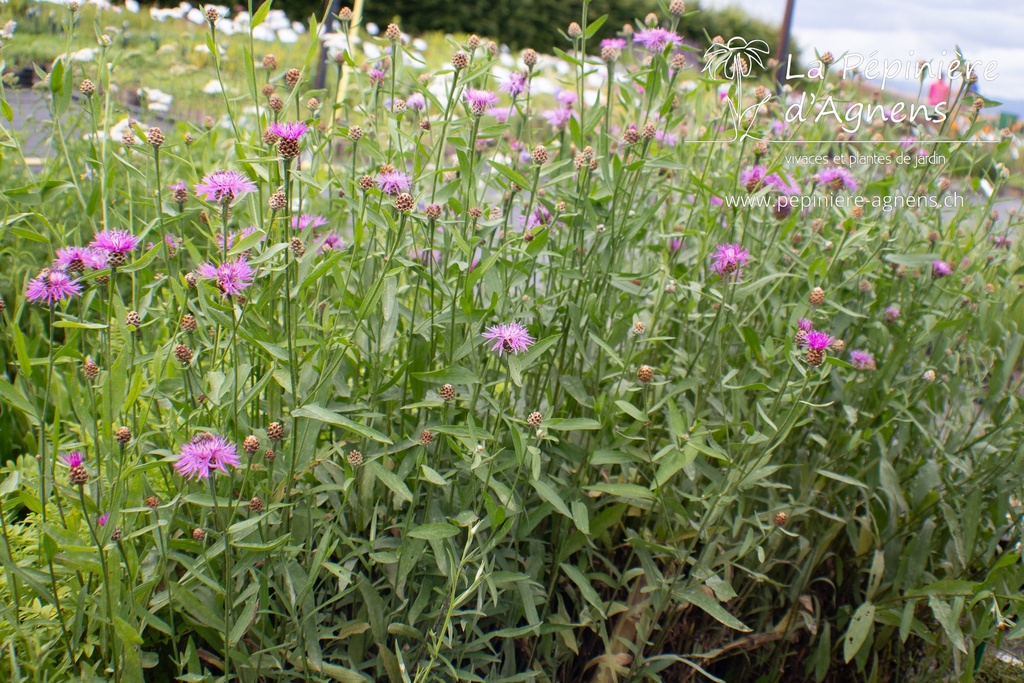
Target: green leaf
{"points": [[391, 480], [573, 424], [261, 14], [126, 632], [858, 630], [594, 26], [632, 411], [548, 493], [243, 620], [581, 517], [583, 583], [318, 412], [945, 615], [456, 374], [434, 531], [705, 602], [623, 490]]}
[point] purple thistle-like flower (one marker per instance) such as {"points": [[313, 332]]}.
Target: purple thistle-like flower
{"points": [[862, 360], [72, 459], [479, 100], [425, 257], [837, 178], [500, 113], [787, 187], [292, 130], [204, 453], [516, 84], [224, 186], [235, 236], [818, 340], [892, 314], [103, 519], [1001, 242], [69, 256], [174, 187], [805, 325], [377, 77], [614, 43], [508, 338], [941, 269], [232, 277], [752, 177], [657, 39], [566, 98], [557, 118], [416, 101], [115, 241], [332, 242], [95, 259], [308, 220], [51, 286], [730, 259], [393, 182], [539, 217]]}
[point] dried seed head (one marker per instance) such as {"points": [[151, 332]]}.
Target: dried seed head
{"points": [[292, 77], [827, 58], [198, 535], [208, 122], [539, 155], [251, 444], [424, 124], [255, 505], [269, 454], [638, 327], [116, 535], [269, 62], [817, 296], [460, 60], [648, 131], [278, 201], [398, 106], [677, 8], [123, 435], [404, 202], [447, 393], [155, 137], [473, 42], [275, 102], [609, 54], [189, 139], [780, 519], [212, 15], [267, 89], [864, 286], [393, 33], [837, 346], [297, 247], [529, 58], [345, 14], [678, 61], [433, 211], [152, 502], [857, 212], [815, 357], [87, 87], [631, 136], [90, 369], [78, 475], [275, 432], [574, 31], [426, 437], [269, 137], [645, 373], [928, 376], [128, 139], [180, 195], [355, 458], [534, 419], [183, 354], [132, 318], [528, 235], [288, 149], [365, 183], [475, 212]]}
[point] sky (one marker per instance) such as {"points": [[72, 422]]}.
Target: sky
{"points": [[987, 30]]}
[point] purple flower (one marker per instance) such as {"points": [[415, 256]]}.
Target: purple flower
{"points": [[862, 360], [308, 220], [675, 245], [232, 277], [787, 187], [892, 314], [1001, 241], [557, 118], [332, 242], [95, 259], [614, 43], [539, 217], [175, 187], [837, 178], [516, 84], [508, 338], [730, 259], [293, 130], [115, 241], [657, 39], [668, 139], [224, 186], [51, 286], [70, 258], [752, 177], [805, 325], [500, 113], [393, 182], [416, 101], [818, 340], [103, 519], [235, 236], [204, 453], [480, 100], [425, 257], [377, 77], [941, 269], [566, 98], [73, 459]]}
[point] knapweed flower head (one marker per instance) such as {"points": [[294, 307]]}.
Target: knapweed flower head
{"points": [[479, 100], [95, 259], [540, 217], [70, 258], [51, 286], [115, 241], [292, 130], [307, 221], [941, 269], [416, 101], [818, 340], [656, 39], [234, 237], [730, 259], [232, 277], [393, 182], [103, 519], [753, 178], [557, 118], [224, 186], [205, 453], [805, 325], [837, 178], [787, 187], [614, 43], [515, 84], [331, 242], [508, 338], [862, 360], [566, 98], [72, 459]]}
